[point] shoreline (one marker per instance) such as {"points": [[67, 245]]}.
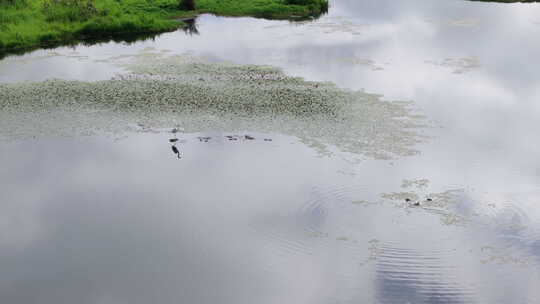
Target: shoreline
{"points": [[28, 25]]}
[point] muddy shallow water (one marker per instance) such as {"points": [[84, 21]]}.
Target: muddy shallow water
{"points": [[263, 213]]}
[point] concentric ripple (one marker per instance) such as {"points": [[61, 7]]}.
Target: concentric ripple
{"points": [[425, 273]]}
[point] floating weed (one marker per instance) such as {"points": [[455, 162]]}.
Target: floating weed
{"points": [[361, 62], [366, 203], [375, 250], [458, 65], [502, 256], [161, 91], [317, 234], [463, 23], [442, 204], [416, 183], [401, 199]]}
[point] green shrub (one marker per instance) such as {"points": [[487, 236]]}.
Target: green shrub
{"points": [[320, 6], [13, 2], [69, 10]]}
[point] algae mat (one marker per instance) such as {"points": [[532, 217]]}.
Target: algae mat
{"points": [[194, 94]]}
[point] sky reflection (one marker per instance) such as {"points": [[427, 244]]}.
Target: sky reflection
{"points": [[95, 221]]}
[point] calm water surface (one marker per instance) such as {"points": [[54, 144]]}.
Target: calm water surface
{"points": [[122, 219]]}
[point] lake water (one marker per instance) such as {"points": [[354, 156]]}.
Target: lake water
{"points": [[257, 214]]}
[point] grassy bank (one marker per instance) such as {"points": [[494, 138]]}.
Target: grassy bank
{"points": [[28, 24]]}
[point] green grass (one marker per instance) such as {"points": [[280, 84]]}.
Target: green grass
{"points": [[271, 9], [29, 24]]}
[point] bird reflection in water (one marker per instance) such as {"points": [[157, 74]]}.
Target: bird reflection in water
{"points": [[191, 27], [175, 150]]}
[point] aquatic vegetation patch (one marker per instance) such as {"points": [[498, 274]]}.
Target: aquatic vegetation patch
{"points": [[195, 95], [458, 65], [372, 65], [462, 23], [338, 25], [330, 25], [375, 251], [416, 183], [501, 256], [444, 204]]}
